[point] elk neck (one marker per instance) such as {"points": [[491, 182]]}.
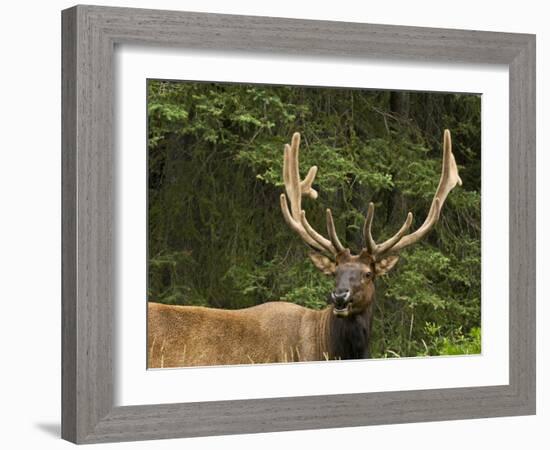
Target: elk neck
{"points": [[348, 337]]}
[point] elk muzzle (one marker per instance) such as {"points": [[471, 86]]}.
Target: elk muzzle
{"points": [[341, 299]]}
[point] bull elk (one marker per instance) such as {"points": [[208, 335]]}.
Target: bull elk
{"points": [[281, 331]]}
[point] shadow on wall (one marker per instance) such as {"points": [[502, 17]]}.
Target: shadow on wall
{"points": [[53, 429]]}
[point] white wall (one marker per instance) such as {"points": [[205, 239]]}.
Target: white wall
{"points": [[30, 222]]}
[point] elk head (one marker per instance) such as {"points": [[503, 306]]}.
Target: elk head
{"points": [[355, 274]]}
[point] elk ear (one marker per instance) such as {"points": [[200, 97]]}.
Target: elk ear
{"points": [[323, 263], [385, 265]]}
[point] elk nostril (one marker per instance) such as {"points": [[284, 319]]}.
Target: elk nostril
{"points": [[340, 295]]}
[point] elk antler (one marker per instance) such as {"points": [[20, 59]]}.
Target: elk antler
{"points": [[449, 179], [296, 216]]}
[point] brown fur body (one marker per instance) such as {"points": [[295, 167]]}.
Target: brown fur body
{"points": [[180, 336]]}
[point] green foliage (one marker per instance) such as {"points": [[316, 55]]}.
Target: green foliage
{"points": [[455, 343], [216, 235]]}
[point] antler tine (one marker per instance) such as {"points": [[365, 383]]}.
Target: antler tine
{"points": [[367, 231], [319, 239], [384, 247], [375, 249], [448, 180], [295, 189], [296, 226], [332, 232], [305, 185]]}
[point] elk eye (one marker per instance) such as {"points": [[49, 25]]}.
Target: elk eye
{"points": [[368, 274]]}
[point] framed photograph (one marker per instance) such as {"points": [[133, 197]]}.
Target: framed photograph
{"points": [[267, 222]]}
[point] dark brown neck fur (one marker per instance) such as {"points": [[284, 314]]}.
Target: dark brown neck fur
{"points": [[348, 337]]}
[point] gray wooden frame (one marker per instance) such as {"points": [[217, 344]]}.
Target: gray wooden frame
{"points": [[89, 36]]}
